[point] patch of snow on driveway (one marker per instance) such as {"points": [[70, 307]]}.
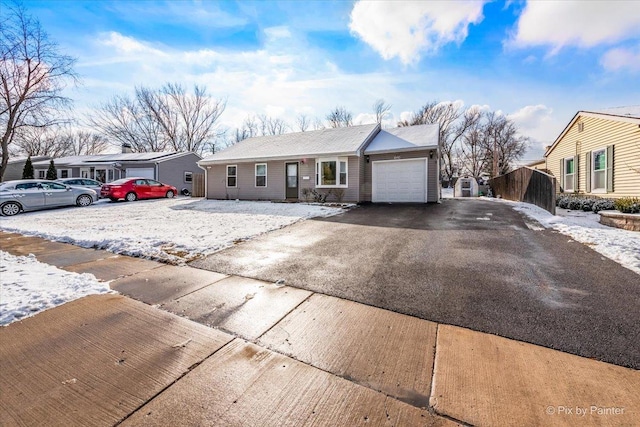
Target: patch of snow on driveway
{"points": [[170, 230], [620, 245], [28, 287]]}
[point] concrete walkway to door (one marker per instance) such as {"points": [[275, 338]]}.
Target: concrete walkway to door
{"points": [[182, 346]]}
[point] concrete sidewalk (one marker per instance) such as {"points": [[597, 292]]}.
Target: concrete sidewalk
{"points": [[182, 346]]}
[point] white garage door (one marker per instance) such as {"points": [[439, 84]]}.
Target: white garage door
{"points": [[141, 173], [400, 181]]}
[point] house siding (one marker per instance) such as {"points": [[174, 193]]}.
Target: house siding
{"points": [[275, 189], [599, 133], [432, 172], [172, 171]]}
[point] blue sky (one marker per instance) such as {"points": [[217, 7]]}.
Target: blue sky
{"points": [[537, 62]]}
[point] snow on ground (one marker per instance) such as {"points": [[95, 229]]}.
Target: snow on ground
{"points": [[28, 287], [170, 230], [447, 193], [620, 245]]}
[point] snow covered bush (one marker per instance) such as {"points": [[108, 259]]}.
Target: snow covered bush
{"points": [[603, 205], [575, 204], [628, 204], [587, 204]]}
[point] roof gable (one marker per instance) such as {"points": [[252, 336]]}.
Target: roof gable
{"points": [[345, 141], [619, 114], [408, 138]]}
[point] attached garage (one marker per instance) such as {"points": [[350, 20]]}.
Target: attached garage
{"points": [[141, 173], [399, 181]]}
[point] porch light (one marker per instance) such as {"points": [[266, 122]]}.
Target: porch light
{"points": [[431, 154]]}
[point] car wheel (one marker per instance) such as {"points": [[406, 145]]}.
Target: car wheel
{"points": [[170, 194], [10, 209], [84, 200], [131, 197]]}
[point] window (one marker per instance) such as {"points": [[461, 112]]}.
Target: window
{"points": [[569, 174], [53, 186], [188, 176], [64, 173], [42, 174], [580, 126], [331, 172], [599, 171], [232, 176], [261, 175]]}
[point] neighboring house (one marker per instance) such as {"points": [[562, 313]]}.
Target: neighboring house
{"points": [[598, 153], [175, 169], [540, 165], [353, 164], [16, 167]]}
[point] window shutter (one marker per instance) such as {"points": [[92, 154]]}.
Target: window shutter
{"points": [[610, 188], [587, 171], [576, 173], [562, 175]]}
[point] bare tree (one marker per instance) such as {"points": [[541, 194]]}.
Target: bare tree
{"points": [[303, 122], [82, 143], [161, 119], [503, 144], [472, 151], [271, 126], [446, 115], [340, 117], [381, 110], [318, 124], [33, 74], [126, 121], [57, 141], [40, 141], [188, 120]]}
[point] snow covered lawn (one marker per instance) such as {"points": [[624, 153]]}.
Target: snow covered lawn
{"points": [[171, 230], [28, 287], [620, 245]]}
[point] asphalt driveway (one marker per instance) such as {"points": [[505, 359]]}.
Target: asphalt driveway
{"points": [[471, 263]]}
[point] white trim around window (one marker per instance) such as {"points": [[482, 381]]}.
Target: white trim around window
{"points": [[569, 174], [188, 177], [260, 175], [64, 173], [599, 170], [332, 172], [232, 177]]}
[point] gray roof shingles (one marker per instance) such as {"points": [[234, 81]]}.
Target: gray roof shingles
{"points": [[347, 140]]}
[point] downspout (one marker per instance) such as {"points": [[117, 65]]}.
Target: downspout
{"points": [[206, 179]]}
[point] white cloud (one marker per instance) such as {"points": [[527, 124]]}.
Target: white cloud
{"points": [[282, 78], [405, 29], [531, 116], [127, 45], [576, 23], [274, 33], [622, 58]]}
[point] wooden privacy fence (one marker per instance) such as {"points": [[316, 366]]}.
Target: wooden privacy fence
{"points": [[527, 185], [198, 185]]}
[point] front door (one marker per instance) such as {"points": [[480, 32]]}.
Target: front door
{"points": [[292, 180]]}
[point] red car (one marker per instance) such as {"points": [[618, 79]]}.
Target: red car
{"points": [[131, 189]]}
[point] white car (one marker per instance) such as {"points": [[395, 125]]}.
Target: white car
{"points": [[82, 182]]}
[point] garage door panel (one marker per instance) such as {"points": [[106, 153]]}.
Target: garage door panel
{"points": [[399, 181]]}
